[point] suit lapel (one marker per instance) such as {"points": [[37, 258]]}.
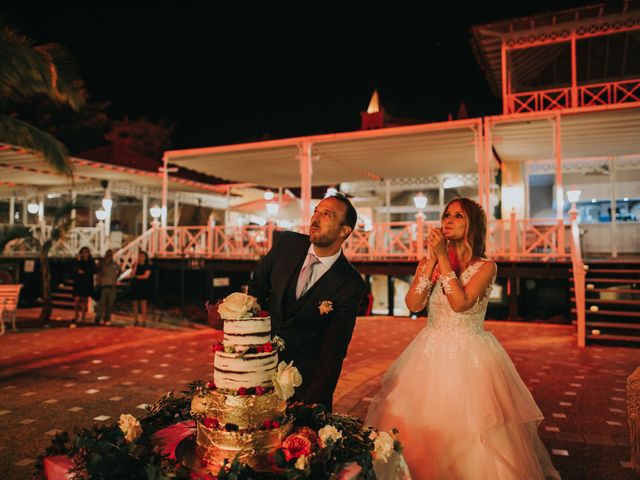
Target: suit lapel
{"points": [[287, 271], [324, 288]]}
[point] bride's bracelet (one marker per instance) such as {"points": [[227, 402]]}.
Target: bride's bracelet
{"points": [[424, 283], [445, 281]]}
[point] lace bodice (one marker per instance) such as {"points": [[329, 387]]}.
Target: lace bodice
{"points": [[442, 317]]}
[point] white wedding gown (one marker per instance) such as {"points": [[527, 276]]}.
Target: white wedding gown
{"points": [[462, 410]]}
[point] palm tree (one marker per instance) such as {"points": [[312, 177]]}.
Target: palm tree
{"points": [[28, 70], [60, 227]]}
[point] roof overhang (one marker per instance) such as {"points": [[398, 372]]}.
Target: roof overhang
{"points": [[400, 152]]}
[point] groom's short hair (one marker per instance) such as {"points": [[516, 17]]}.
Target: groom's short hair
{"points": [[350, 216]]}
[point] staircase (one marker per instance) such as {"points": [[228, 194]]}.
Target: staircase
{"points": [[62, 295], [613, 302]]}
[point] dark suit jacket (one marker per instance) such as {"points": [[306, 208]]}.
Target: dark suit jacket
{"points": [[316, 343]]}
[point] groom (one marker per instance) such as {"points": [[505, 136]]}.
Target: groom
{"points": [[313, 294]]}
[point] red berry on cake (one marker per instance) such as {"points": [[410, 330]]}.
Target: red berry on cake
{"points": [[211, 422], [263, 314], [242, 391]]}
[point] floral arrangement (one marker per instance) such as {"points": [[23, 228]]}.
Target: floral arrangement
{"points": [[322, 445]]}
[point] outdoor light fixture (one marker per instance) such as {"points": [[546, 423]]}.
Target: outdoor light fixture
{"points": [[101, 215], [33, 208], [420, 201], [272, 208], [573, 196], [268, 195], [155, 212], [330, 192]]}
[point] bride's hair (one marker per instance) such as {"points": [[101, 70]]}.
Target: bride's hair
{"points": [[476, 230]]}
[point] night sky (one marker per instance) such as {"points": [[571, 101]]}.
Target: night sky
{"points": [[232, 76]]}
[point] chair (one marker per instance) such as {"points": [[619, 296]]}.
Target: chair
{"points": [[9, 294]]}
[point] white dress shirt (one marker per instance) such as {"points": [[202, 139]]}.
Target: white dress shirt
{"points": [[319, 269]]}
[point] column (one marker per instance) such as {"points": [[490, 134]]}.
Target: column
{"points": [[145, 210], [614, 204], [12, 209], [306, 172]]}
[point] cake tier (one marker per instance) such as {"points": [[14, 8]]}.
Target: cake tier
{"points": [[247, 331], [255, 449], [245, 411], [234, 370]]}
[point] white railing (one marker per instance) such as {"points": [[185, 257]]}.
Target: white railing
{"points": [[579, 277], [513, 239], [527, 239], [128, 255]]}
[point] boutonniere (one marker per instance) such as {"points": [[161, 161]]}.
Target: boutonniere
{"points": [[326, 306]]}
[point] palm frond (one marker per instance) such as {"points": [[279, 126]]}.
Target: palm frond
{"points": [[62, 220], [19, 231], [19, 133], [29, 70]]}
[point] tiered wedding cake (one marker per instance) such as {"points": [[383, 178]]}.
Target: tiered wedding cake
{"points": [[242, 413]]}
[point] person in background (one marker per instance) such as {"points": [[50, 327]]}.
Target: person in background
{"points": [[106, 281], [84, 269], [140, 273]]}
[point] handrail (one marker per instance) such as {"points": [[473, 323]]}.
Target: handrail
{"points": [[128, 254], [579, 276]]}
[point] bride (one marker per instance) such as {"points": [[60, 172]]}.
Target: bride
{"points": [[462, 410]]}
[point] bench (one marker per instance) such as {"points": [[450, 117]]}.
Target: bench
{"points": [[9, 294]]}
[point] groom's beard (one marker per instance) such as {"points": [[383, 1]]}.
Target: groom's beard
{"points": [[323, 240]]}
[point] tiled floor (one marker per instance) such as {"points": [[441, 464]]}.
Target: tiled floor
{"points": [[59, 379]]}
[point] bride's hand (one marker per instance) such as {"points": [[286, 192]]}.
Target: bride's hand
{"points": [[437, 243]]}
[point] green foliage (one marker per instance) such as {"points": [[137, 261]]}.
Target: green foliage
{"points": [[102, 452], [30, 70]]}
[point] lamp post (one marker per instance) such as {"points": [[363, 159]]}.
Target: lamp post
{"points": [[155, 212], [573, 196], [420, 201], [101, 215], [107, 203]]}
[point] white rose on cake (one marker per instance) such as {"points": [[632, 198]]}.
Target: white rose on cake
{"points": [[130, 426], [286, 379], [238, 305]]}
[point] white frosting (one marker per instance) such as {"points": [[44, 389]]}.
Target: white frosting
{"points": [[248, 325], [245, 339], [232, 370]]}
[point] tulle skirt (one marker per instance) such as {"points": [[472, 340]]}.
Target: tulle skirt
{"points": [[462, 410]]}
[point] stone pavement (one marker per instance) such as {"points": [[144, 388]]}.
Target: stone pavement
{"points": [[60, 378]]}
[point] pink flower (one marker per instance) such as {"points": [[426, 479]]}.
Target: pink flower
{"points": [[260, 390], [267, 347], [310, 435], [295, 446], [211, 385]]}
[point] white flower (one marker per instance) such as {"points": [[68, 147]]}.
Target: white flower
{"points": [[286, 379], [329, 432], [383, 446], [198, 405], [237, 305], [130, 426], [302, 463]]}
